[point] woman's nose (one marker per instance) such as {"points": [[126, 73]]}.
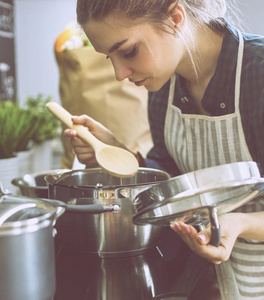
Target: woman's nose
{"points": [[122, 71]]}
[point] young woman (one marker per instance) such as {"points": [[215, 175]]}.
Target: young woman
{"points": [[206, 106]]}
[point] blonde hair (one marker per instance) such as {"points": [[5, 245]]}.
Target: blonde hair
{"points": [[155, 11], [200, 13]]}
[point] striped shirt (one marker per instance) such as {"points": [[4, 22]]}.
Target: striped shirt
{"points": [[218, 99]]}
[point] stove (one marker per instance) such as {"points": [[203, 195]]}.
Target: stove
{"points": [[160, 273]]}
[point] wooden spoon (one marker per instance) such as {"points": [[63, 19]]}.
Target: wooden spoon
{"points": [[114, 160]]}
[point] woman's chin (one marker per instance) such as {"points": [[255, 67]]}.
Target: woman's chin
{"points": [[154, 86]]}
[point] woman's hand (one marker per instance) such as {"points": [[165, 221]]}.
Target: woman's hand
{"points": [[199, 242], [233, 225], [84, 151]]}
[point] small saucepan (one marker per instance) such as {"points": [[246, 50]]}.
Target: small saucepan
{"points": [[200, 196], [27, 252]]}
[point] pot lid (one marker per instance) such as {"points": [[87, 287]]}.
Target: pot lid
{"points": [[187, 198], [18, 208], [193, 206]]}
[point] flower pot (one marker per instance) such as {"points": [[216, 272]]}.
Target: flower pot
{"points": [[42, 156], [25, 162], [9, 169]]}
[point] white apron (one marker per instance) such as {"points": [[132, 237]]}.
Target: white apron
{"points": [[199, 141]]}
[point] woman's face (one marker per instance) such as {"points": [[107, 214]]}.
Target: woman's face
{"points": [[147, 56]]}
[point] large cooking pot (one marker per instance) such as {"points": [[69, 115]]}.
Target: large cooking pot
{"points": [[98, 222], [27, 248]]}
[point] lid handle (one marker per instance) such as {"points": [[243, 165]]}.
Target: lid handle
{"points": [[3, 191]]}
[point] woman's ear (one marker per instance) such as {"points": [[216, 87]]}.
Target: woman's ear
{"points": [[177, 16]]}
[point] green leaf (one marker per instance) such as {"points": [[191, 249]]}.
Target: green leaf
{"points": [[21, 126]]}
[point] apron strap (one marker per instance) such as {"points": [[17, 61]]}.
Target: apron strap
{"points": [[238, 70], [227, 281]]}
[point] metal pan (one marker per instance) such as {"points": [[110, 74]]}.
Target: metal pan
{"points": [[199, 196]]}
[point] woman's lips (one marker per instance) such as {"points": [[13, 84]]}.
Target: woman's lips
{"points": [[139, 83]]}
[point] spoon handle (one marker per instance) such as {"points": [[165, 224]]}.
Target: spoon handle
{"points": [[65, 117]]}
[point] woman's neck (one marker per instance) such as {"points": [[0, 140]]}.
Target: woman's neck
{"points": [[208, 44]]}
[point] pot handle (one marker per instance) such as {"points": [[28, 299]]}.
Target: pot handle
{"points": [[88, 209], [60, 209], [215, 227], [93, 208]]}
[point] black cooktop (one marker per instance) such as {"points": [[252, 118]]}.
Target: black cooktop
{"points": [[169, 271]]}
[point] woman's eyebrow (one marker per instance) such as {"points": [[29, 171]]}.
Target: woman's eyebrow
{"points": [[116, 46]]}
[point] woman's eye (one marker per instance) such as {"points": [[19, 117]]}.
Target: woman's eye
{"points": [[132, 53]]}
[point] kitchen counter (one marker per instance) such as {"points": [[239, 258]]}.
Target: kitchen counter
{"points": [[163, 270]]}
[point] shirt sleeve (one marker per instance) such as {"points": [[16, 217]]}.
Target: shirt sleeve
{"points": [[251, 103]]}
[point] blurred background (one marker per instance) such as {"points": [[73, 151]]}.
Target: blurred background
{"points": [[37, 23]]}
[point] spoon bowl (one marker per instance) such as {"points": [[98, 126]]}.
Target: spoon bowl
{"points": [[114, 160]]}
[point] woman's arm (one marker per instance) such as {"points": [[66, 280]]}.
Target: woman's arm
{"points": [[252, 226], [233, 225]]}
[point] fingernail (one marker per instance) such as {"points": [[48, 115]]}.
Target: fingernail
{"points": [[202, 237], [177, 226], [73, 132], [187, 229], [75, 117]]}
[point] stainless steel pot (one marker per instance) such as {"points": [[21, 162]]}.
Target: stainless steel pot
{"points": [[34, 185], [27, 248], [98, 222]]}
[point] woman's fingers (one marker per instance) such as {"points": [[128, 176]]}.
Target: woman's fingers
{"points": [[84, 153], [199, 242], [83, 150], [86, 121], [186, 232], [204, 237], [90, 162], [69, 133]]}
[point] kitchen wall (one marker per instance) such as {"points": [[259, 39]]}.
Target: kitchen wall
{"points": [[38, 23], [252, 15]]}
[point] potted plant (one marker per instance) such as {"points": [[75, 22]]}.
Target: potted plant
{"points": [[24, 135], [17, 126]]}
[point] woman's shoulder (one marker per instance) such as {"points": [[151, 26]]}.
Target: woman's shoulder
{"points": [[253, 43], [254, 46]]}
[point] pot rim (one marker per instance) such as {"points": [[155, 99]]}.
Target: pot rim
{"points": [[21, 183], [26, 226], [53, 179], [51, 211]]}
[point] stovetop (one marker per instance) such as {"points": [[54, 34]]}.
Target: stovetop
{"points": [[156, 274]]}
